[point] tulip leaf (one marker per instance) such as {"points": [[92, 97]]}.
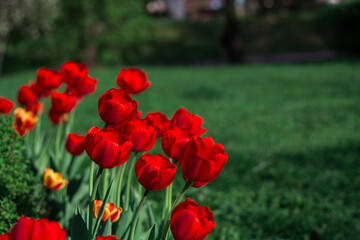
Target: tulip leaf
{"points": [[124, 224], [150, 212], [102, 209], [105, 228], [78, 226], [150, 234]]}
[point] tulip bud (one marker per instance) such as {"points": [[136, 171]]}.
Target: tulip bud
{"points": [[154, 172], [173, 141], [191, 222], [6, 105], [54, 180], [201, 160], [108, 237], [110, 211], [75, 144], [187, 121], [132, 80], [27, 97], [159, 121]]}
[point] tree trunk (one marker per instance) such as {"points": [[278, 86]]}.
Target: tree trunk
{"points": [[231, 39]]}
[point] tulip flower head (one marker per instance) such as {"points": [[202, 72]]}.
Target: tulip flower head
{"points": [[108, 148], [27, 97], [174, 140], [110, 211], [132, 80], [6, 105], [159, 121], [201, 160], [73, 74], [75, 144], [141, 133], [54, 180], [116, 106], [24, 121], [154, 172], [191, 222], [46, 81], [62, 102], [187, 121], [41, 229]]}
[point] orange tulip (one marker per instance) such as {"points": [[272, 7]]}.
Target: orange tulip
{"points": [[110, 211], [54, 180], [25, 121]]}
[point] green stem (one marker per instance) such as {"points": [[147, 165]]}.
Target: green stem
{"points": [[91, 180], [91, 203], [166, 203], [176, 202], [128, 184], [37, 135], [69, 166], [136, 216], [106, 183], [38, 208], [57, 145], [169, 199], [120, 175]]}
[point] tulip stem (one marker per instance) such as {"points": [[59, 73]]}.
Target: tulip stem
{"points": [[176, 202], [136, 216], [69, 166], [57, 146], [120, 175], [128, 184], [105, 182], [91, 180], [91, 203]]}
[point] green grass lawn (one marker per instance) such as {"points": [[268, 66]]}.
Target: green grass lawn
{"points": [[292, 133]]}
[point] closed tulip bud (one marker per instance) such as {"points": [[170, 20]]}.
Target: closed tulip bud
{"points": [[159, 121], [108, 148], [201, 160], [73, 74], [27, 97], [62, 102], [110, 211], [41, 229], [187, 121], [24, 121], [6, 105], [141, 133], [46, 81], [191, 222], [75, 144], [173, 141], [86, 88], [154, 172], [108, 237], [116, 106], [54, 180], [132, 80], [56, 117]]}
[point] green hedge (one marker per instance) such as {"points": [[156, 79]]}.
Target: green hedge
{"points": [[16, 178]]}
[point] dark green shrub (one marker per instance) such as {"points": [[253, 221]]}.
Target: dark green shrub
{"points": [[16, 178]]}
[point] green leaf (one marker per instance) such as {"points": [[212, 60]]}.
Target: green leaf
{"points": [[124, 224], [105, 229], [150, 234], [78, 226], [102, 209]]}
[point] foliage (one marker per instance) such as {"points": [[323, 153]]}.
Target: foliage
{"points": [[16, 178]]}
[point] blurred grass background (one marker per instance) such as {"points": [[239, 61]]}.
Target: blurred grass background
{"points": [[291, 132]]}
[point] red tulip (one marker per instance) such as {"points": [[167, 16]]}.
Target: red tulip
{"points": [[46, 81], [107, 147], [141, 133], [73, 74], [86, 88], [187, 121], [31, 229], [62, 102], [6, 105], [116, 106], [5, 236], [75, 144], [154, 172], [201, 160], [108, 237], [132, 80], [173, 141], [27, 97], [159, 121], [191, 222]]}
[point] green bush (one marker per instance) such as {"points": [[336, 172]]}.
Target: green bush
{"points": [[16, 178]]}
